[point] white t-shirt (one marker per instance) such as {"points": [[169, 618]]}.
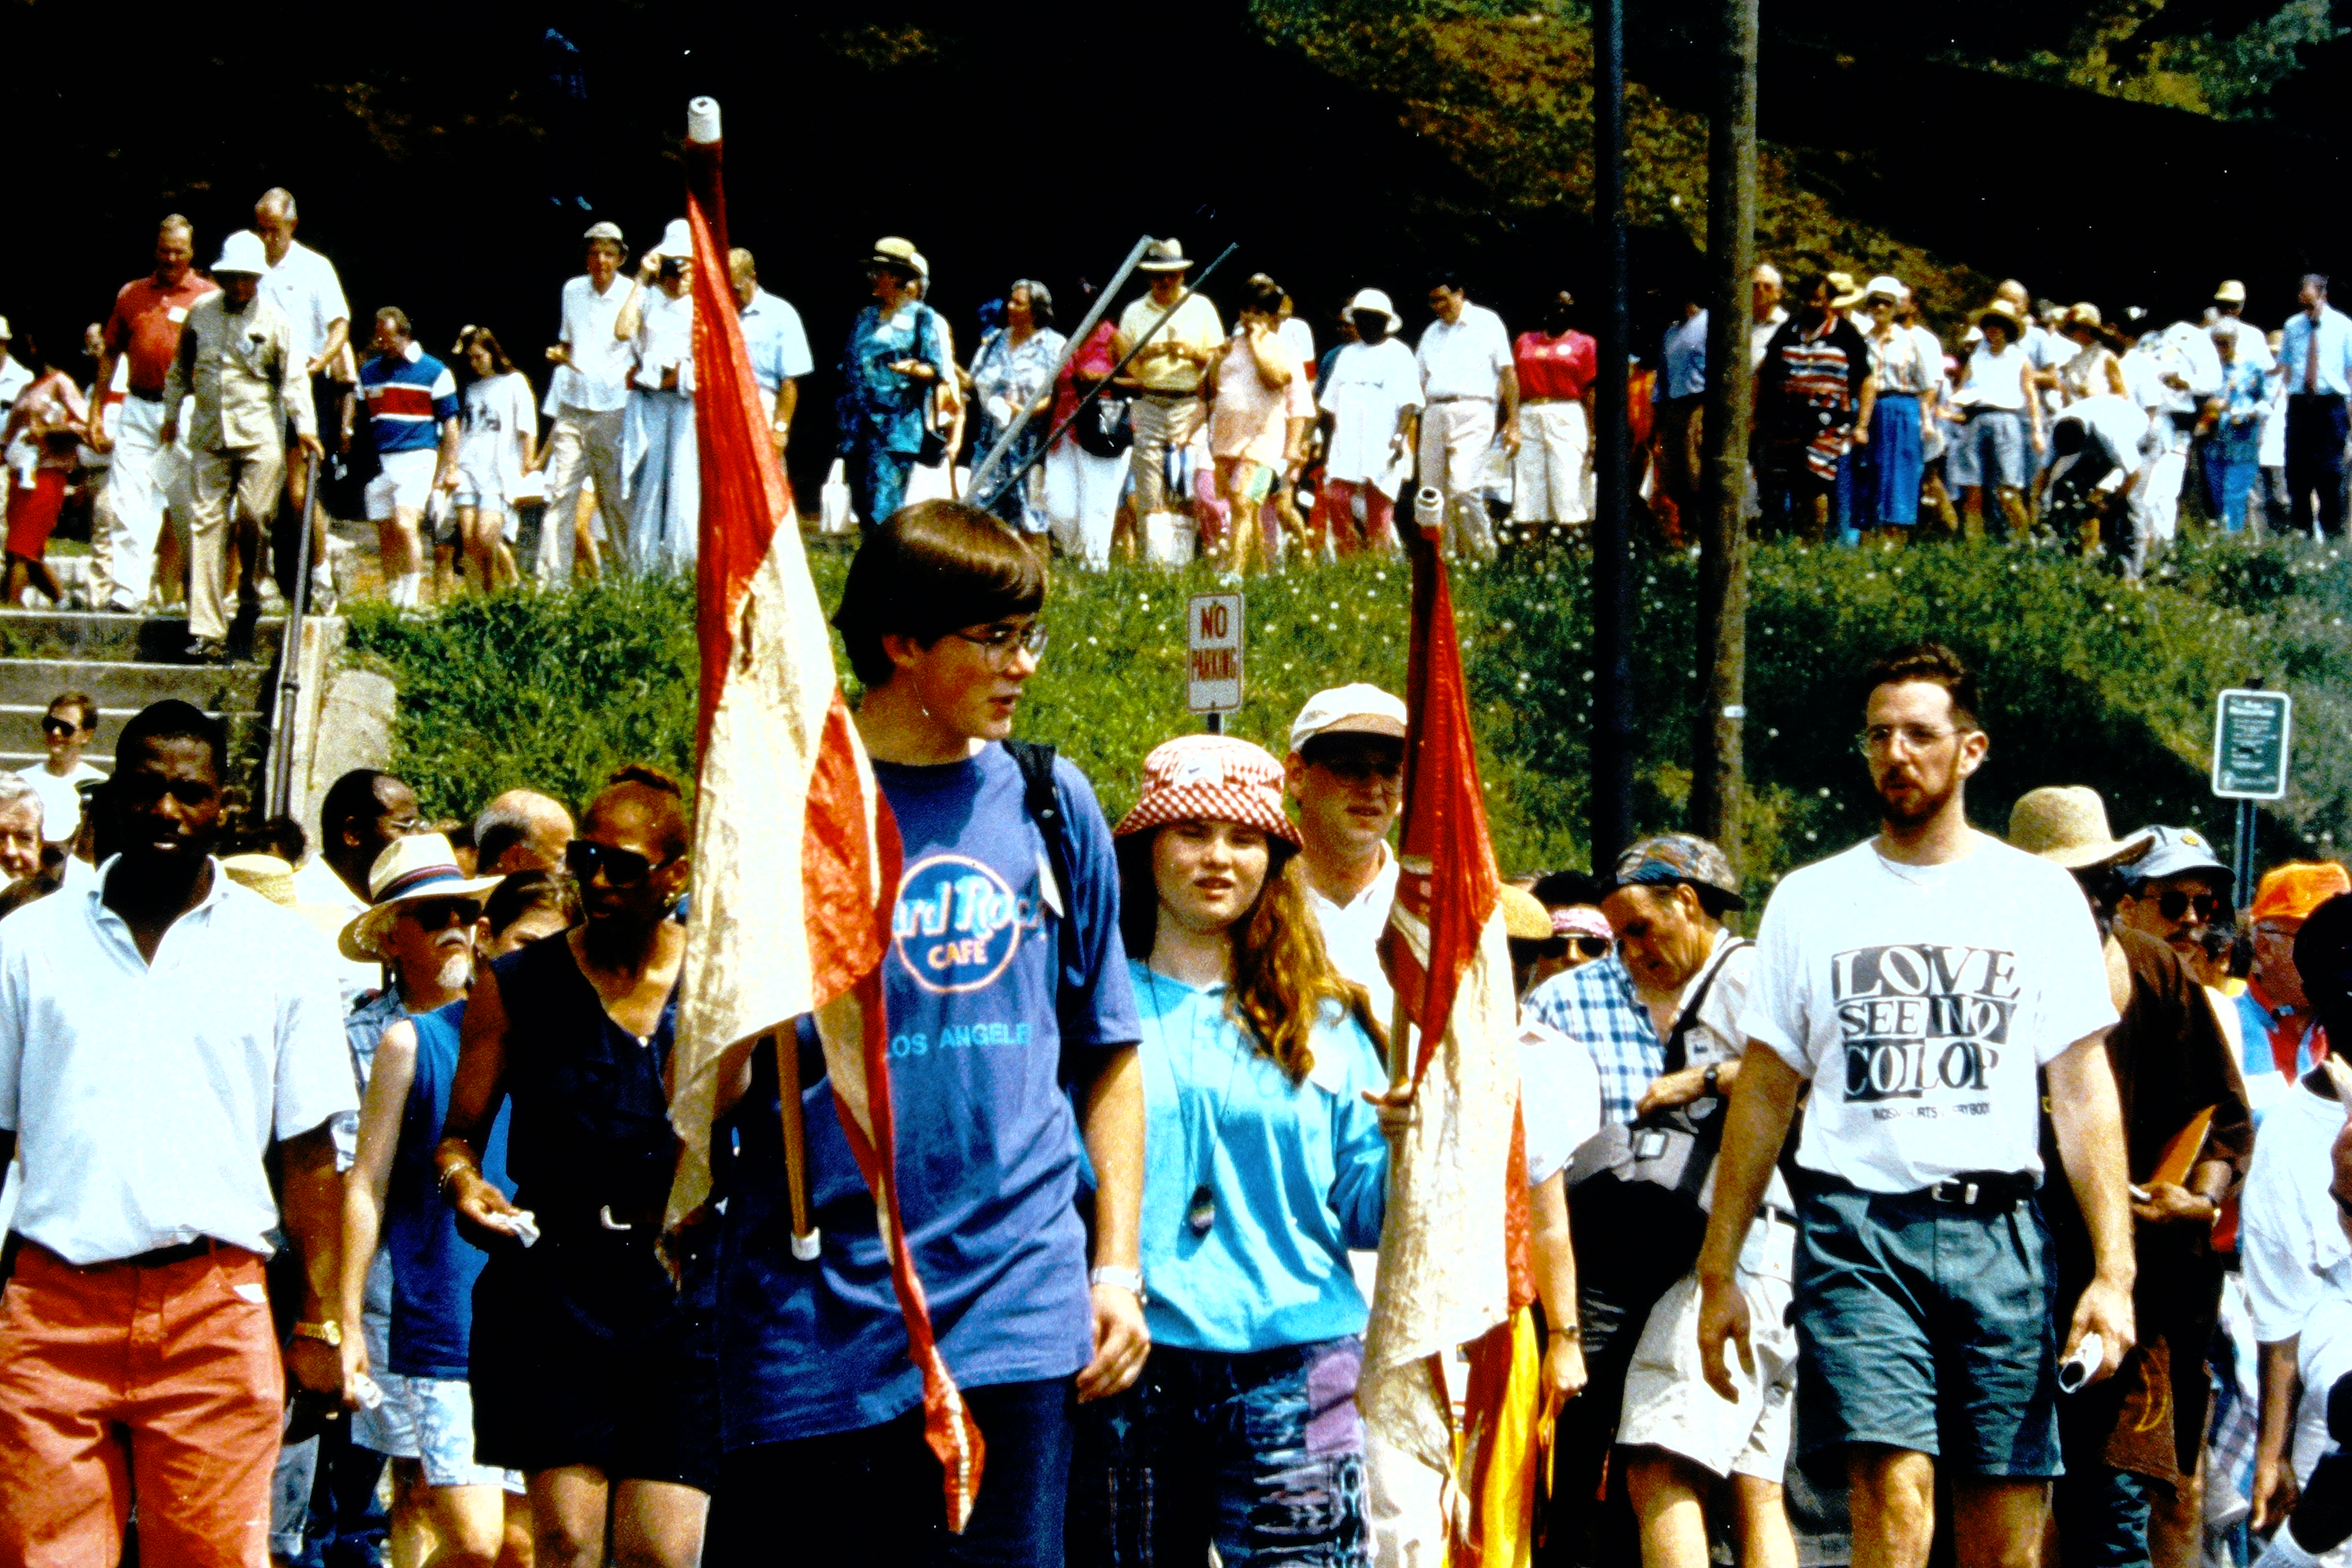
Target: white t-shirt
{"points": [[1369, 386], [2120, 423], [60, 800], [1464, 358], [489, 453], [1559, 1096], [2293, 1251], [664, 338], [592, 382], [304, 288], [1997, 379], [1920, 1000], [1299, 339]]}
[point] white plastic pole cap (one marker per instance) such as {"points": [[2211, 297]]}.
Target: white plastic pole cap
{"points": [[702, 120]]}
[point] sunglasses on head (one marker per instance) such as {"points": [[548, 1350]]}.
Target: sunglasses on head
{"points": [[622, 867], [2172, 903], [440, 914]]}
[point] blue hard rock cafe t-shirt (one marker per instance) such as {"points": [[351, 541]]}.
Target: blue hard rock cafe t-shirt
{"points": [[988, 1149]]}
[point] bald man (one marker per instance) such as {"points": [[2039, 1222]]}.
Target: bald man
{"points": [[522, 830]]}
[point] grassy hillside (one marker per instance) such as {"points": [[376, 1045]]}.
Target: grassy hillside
{"points": [[2087, 681]]}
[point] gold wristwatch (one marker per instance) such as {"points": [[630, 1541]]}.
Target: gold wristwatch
{"points": [[330, 1332]]}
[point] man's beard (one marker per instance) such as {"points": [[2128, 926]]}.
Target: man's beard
{"points": [[1922, 805]]}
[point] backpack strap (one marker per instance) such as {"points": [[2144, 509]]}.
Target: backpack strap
{"points": [[1677, 1051], [1042, 799]]}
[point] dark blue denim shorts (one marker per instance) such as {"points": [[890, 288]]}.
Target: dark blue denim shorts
{"points": [[1927, 1326]]}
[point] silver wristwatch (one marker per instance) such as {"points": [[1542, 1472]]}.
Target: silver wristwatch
{"points": [[1128, 1279]]}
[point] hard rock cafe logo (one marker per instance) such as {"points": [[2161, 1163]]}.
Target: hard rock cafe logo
{"points": [[958, 923]]}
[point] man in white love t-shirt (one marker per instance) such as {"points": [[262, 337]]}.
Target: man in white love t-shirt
{"points": [[1918, 979]]}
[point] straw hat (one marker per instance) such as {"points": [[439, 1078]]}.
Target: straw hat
{"points": [[2067, 824], [266, 874], [899, 256], [1523, 920], [1164, 255], [409, 870]]}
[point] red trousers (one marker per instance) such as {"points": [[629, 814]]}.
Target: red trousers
{"points": [[1335, 517], [115, 1381]]}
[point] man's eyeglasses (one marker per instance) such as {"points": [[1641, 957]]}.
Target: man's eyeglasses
{"points": [[997, 642], [1880, 738], [60, 728], [440, 914], [2173, 902], [584, 857]]}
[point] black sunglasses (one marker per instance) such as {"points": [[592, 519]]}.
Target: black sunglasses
{"points": [[622, 867], [440, 914], [2172, 903], [1589, 946], [58, 727]]}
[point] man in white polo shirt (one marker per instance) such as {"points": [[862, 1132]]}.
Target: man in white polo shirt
{"points": [[1466, 373], [584, 405], [161, 1035], [302, 284]]}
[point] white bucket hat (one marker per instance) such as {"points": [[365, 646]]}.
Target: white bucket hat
{"points": [[1374, 299], [242, 252]]}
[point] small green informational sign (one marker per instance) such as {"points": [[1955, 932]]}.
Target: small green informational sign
{"points": [[2251, 732]]}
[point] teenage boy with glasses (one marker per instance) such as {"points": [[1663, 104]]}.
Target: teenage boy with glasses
{"points": [[1918, 979], [1012, 1035], [66, 731]]}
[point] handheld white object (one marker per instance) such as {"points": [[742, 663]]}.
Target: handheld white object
{"points": [[371, 1396], [520, 1225], [1428, 507], [2082, 1363]]}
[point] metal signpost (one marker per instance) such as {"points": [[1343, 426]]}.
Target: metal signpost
{"points": [[2252, 732], [1212, 662]]}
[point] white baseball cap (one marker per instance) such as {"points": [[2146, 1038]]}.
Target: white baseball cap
{"points": [[1361, 709], [242, 252]]}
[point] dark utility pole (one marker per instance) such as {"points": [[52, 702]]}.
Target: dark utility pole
{"points": [[1613, 580], [1717, 781]]}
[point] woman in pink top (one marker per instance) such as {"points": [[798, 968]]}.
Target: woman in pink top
{"points": [[1257, 421], [1085, 469], [42, 430]]}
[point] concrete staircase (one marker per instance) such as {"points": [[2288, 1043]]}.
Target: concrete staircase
{"points": [[126, 662]]}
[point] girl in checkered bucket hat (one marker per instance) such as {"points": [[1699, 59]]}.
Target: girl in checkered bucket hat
{"points": [[1264, 1164]]}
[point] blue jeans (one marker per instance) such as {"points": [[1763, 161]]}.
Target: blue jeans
{"points": [[2232, 469], [879, 1490], [1260, 1454]]}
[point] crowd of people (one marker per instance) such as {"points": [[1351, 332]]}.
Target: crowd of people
{"points": [[386, 1129], [1163, 435]]}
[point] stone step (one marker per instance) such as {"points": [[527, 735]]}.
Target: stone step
{"points": [[20, 725], [91, 635], [122, 687]]}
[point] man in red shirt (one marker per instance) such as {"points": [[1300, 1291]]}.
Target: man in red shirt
{"points": [[1551, 477], [148, 472]]}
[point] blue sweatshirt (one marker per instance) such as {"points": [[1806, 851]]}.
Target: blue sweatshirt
{"points": [[1297, 1175]]}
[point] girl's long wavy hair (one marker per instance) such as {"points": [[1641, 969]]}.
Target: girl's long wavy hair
{"points": [[1281, 974]]}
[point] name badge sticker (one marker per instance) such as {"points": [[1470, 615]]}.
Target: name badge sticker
{"points": [[175, 314]]}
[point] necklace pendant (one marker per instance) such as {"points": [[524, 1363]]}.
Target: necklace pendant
{"points": [[1203, 1212]]}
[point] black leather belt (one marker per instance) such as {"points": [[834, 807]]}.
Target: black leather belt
{"points": [[1981, 1190]]}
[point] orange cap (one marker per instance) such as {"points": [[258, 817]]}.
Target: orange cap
{"points": [[2290, 892]]}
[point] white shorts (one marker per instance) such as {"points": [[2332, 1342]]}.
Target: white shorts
{"points": [[1668, 1404], [404, 485], [487, 501], [430, 1419]]}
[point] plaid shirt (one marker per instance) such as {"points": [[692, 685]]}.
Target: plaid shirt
{"points": [[1594, 1005]]}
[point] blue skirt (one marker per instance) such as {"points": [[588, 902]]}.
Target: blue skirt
{"points": [[1895, 463]]}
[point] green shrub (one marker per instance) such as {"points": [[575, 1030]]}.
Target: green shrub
{"points": [[2087, 680]]}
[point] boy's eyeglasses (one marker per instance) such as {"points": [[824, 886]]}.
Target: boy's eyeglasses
{"points": [[998, 643]]}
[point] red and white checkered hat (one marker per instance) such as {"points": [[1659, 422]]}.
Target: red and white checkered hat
{"points": [[1210, 778]]}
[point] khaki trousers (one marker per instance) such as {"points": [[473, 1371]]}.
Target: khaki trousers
{"points": [[1455, 436], [251, 479]]}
